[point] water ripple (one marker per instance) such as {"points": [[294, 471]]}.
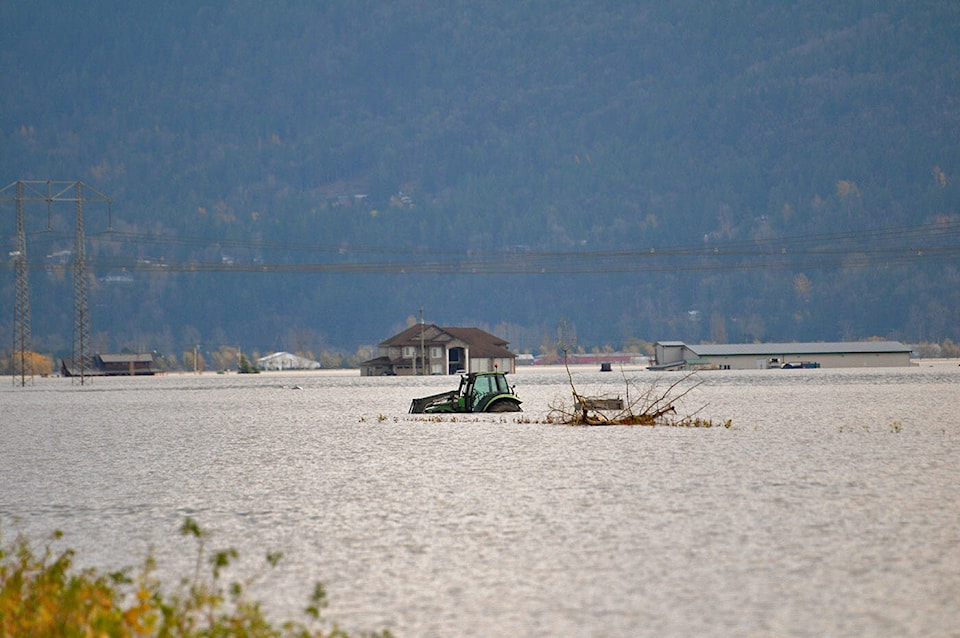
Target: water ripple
{"points": [[829, 508]]}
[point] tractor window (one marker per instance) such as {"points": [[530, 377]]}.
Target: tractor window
{"points": [[481, 388], [483, 385], [502, 386]]}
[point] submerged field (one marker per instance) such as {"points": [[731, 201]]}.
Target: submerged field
{"points": [[826, 507]]}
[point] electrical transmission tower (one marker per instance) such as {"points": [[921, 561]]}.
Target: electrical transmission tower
{"points": [[82, 357], [56, 191], [22, 331]]}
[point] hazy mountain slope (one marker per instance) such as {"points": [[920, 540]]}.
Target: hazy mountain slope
{"points": [[493, 126]]}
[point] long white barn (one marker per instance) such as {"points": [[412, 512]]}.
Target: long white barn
{"points": [[286, 361], [677, 355]]}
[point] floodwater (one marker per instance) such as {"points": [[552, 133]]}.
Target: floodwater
{"points": [[830, 507]]}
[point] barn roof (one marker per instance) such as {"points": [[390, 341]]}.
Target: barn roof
{"points": [[836, 347], [125, 357]]}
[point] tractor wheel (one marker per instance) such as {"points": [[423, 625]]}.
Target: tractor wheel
{"points": [[504, 406]]}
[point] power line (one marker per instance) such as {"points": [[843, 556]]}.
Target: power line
{"points": [[886, 246]]}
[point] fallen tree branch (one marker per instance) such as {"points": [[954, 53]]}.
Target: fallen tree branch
{"points": [[649, 405]]}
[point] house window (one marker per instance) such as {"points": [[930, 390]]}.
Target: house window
{"points": [[409, 351], [436, 352]]}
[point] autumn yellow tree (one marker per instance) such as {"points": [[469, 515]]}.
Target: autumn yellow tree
{"points": [[33, 363]]}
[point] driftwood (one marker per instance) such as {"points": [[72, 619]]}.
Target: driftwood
{"points": [[653, 403]]}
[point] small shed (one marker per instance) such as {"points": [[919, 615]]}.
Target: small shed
{"points": [[674, 355]]}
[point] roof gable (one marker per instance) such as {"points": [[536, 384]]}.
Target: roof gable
{"points": [[412, 335], [476, 336]]}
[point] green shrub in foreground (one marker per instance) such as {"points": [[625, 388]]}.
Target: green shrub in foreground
{"points": [[44, 596]]}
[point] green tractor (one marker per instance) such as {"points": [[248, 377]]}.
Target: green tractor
{"points": [[478, 392]]}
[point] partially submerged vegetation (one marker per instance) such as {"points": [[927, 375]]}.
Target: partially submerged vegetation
{"points": [[640, 404], [46, 596]]}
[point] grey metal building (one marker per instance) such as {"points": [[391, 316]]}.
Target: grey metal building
{"points": [[677, 355]]}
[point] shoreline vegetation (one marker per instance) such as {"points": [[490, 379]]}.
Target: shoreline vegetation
{"points": [[43, 594]]}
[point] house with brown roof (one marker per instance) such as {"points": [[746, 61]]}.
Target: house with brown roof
{"points": [[430, 349]]}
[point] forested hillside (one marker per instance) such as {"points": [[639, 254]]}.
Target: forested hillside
{"points": [[307, 175]]}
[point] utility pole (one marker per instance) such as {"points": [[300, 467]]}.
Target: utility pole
{"points": [[423, 362]]}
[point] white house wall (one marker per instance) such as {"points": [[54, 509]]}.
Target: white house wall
{"points": [[480, 364]]}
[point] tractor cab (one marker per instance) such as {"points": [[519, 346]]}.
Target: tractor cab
{"points": [[482, 390], [478, 392]]}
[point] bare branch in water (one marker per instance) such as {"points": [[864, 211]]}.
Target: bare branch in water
{"points": [[649, 404]]}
